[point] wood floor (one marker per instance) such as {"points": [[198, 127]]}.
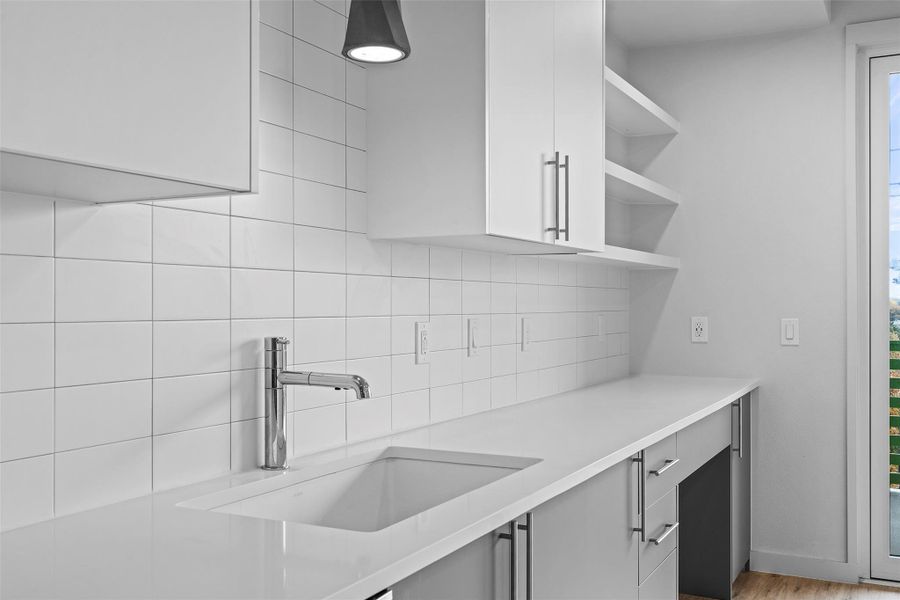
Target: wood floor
{"points": [[765, 586]]}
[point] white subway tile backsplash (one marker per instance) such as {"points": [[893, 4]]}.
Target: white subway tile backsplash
{"points": [[356, 127], [261, 244], [247, 349], [186, 293], [319, 160], [446, 263], [275, 52], [319, 115], [26, 492], [247, 443], [368, 336], [320, 294], [259, 294], [319, 250], [274, 202], [477, 366], [275, 148], [100, 475], [403, 333], [26, 356], [276, 104], [445, 297], [278, 14], [319, 70], [356, 169], [476, 297], [357, 211], [26, 424], [91, 415], [503, 360], [105, 232], [190, 347], [368, 418], [356, 85], [406, 375], [26, 225], [409, 296], [368, 296], [190, 238], [477, 395], [217, 205], [339, 6], [318, 340], [209, 451], [26, 289], [99, 290], [410, 410], [476, 266], [409, 260], [446, 403], [503, 268], [181, 403], [446, 332], [446, 367], [319, 428], [367, 257], [319, 205], [319, 25], [102, 352]]}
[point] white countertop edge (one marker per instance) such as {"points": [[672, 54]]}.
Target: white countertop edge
{"points": [[420, 559]]}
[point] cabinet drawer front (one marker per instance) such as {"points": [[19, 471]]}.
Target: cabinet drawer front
{"points": [[659, 458], [703, 440], [661, 516], [662, 584]]}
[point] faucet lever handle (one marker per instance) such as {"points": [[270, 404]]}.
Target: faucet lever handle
{"points": [[276, 343]]}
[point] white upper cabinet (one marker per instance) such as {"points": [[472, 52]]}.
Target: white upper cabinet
{"points": [[464, 134], [114, 101]]}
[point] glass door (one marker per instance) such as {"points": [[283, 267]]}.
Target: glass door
{"points": [[884, 198]]}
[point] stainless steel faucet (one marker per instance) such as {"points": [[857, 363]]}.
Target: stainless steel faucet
{"points": [[275, 380]]}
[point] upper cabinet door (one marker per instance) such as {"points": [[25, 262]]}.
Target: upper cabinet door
{"points": [[162, 91], [579, 120], [520, 121]]}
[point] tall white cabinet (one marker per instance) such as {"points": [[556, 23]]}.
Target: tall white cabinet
{"points": [[114, 101], [464, 135]]}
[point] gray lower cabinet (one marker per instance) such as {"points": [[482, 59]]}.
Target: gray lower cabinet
{"points": [[583, 543]]}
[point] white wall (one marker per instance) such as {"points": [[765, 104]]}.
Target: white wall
{"points": [[761, 235], [131, 335]]}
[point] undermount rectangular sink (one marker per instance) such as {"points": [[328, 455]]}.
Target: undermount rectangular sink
{"points": [[366, 492]]}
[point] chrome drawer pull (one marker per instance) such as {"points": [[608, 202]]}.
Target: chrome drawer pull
{"points": [[670, 527], [670, 462]]}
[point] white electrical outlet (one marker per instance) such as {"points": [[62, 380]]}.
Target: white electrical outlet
{"points": [[526, 334], [790, 332], [699, 330], [474, 338], [423, 351]]}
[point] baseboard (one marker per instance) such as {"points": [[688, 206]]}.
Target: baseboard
{"points": [[803, 566]]}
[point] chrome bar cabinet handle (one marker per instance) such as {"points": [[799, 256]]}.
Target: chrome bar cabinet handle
{"points": [[739, 403], [669, 463], [642, 499], [513, 537], [528, 528], [667, 531], [556, 167], [568, 169]]}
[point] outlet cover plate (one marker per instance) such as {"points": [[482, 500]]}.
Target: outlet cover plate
{"points": [[423, 350], [699, 330]]}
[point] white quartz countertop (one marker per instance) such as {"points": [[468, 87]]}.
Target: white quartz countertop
{"points": [[151, 548]]}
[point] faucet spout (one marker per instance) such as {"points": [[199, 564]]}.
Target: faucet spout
{"points": [[338, 381], [276, 377]]}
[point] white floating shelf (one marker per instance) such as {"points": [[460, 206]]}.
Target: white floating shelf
{"points": [[633, 114], [627, 186], [634, 259]]}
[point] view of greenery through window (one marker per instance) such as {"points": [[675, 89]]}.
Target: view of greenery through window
{"points": [[894, 248]]}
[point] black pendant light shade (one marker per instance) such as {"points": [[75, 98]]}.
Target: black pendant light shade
{"points": [[375, 32]]}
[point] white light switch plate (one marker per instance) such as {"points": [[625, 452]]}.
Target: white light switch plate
{"points": [[526, 334], [699, 330], [423, 350], [790, 332], [474, 343]]}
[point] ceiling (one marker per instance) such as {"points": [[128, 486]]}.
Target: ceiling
{"points": [[648, 23]]}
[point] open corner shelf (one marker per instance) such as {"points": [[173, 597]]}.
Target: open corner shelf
{"points": [[635, 259], [627, 186], [633, 114]]}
